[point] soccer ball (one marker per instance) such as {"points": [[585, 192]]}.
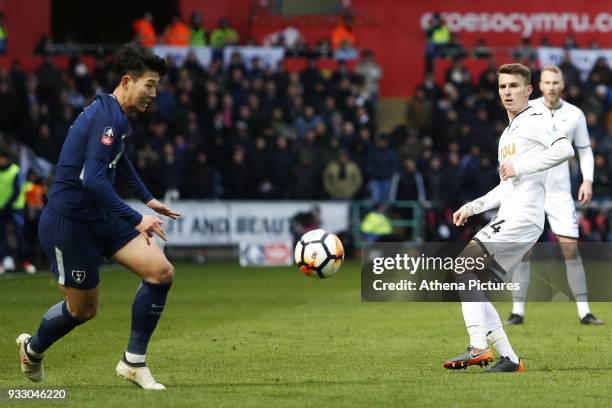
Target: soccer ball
{"points": [[319, 254]]}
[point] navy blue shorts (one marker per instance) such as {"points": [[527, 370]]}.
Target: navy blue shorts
{"points": [[75, 248]]}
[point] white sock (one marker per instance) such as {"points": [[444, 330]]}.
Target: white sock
{"points": [[521, 277], [134, 358], [32, 352], [583, 309], [518, 308], [576, 278], [496, 334], [474, 317]]}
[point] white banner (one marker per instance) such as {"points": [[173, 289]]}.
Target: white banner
{"points": [[268, 56], [202, 54], [233, 222], [583, 59]]}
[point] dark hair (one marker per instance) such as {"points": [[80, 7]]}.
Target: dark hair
{"points": [[134, 59]]}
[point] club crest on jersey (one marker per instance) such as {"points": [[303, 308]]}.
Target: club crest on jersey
{"points": [[78, 276], [108, 136]]}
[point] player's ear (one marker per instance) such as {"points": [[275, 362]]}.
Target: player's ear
{"points": [[125, 81], [529, 89]]}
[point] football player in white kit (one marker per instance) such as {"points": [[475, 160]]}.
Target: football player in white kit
{"points": [[528, 147], [559, 205]]}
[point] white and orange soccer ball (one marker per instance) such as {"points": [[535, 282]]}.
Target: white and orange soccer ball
{"points": [[319, 254]]}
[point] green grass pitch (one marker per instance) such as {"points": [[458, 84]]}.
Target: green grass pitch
{"points": [[234, 336]]}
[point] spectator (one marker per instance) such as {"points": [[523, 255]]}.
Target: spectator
{"points": [[372, 74], [171, 172], [419, 112], [342, 177], [525, 52], [224, 35], [571, 74], [177, 33], [545, 42], [197, 32], [306, 176], [570, 42], [280, 164], [3, 35], [601, 73], [481, 49], [381, 164], [342, 35], [454, 49], [144, 32], [204, 179], [12, 206], [409, 183], [438, 36], [238, 177], [376, 226], [601, 178]]}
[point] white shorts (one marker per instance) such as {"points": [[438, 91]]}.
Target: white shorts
{"points": [[561, 214], [507, 241]]}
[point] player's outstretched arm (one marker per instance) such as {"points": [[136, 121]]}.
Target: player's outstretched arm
{"points": [[559, 151], [95, 181], [485, 203], [162, 209], [137, 187], [127, 171]]}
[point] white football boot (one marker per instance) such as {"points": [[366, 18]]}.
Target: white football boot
{"points": [[139, 374], [33, 369]]}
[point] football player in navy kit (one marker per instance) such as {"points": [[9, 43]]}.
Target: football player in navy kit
{"points": [[85, 219]]}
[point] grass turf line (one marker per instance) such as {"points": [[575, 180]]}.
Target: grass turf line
{"points": [[231, 336]]}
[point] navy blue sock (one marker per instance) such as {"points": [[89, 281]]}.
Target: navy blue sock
{"points": [[56, 323], [146, 310]]}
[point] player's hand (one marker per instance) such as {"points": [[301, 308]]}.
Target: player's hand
{"points": [[460, 217], [585, 193], [150, 225], [506, 171], [160, 208]]}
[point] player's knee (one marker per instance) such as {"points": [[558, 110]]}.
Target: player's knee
{"points": [[165, 273], [570, 251], [84, 313], [570, 254]]}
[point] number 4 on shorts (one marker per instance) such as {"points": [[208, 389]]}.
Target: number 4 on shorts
{"points": [[496, 226]]}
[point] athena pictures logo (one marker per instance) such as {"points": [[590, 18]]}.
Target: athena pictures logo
{"points": [[78, 276]]}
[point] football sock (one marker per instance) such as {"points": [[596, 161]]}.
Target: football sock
{"points": [[496, 334], [474, 317], [55, 324], [134, 358], [576, 278], [521, 277], [472, 306], [147, 308]]}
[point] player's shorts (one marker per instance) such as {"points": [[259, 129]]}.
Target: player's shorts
{"points": [[507, 241], [75, 248], [561, 214]]}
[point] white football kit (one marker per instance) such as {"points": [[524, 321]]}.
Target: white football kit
{"points": [[532, 145], [559, 205]]}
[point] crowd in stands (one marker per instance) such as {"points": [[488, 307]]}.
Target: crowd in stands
{"points": [[236, 131], [248, 131]]}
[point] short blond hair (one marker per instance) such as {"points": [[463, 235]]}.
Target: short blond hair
{"points": [[555, 69], [516, 69]]}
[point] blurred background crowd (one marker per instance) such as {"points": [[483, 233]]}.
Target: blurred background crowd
{"points": [[247, 130]]}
